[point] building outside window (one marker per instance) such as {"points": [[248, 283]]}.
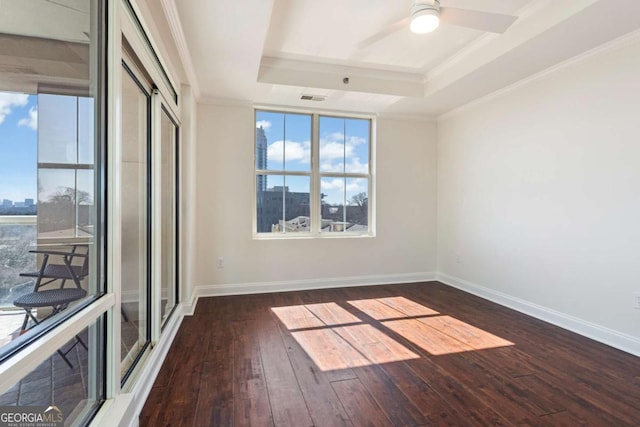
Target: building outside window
{"points": [[313, 174]]}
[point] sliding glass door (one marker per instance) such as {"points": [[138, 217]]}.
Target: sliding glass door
{"points": [[135, 215], [168, 153], [148, 213]]}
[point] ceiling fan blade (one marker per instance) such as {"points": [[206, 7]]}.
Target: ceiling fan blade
{"points": [[387, 31], [483, 21]]}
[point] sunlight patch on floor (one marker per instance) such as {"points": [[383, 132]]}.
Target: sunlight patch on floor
{"points": [[336, 338]]}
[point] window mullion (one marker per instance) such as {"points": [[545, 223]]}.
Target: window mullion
{"points": [[315, 202]]}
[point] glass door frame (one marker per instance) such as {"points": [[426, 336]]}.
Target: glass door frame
{"points": [[131, 69], [128, 24], [161, 106]]}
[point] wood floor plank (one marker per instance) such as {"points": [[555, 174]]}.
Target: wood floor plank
{"points": [[182, 341], [517, 404], [153, 407], [251, 399], [362, 409], [182, 393], [434, 408], [390, 398], [457, 394], [325, 408], [287, 403], [476, 338], [429, 339], [215, 399]]}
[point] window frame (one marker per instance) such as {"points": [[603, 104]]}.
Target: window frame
{"points": [[315, 175], [68, 166], [21, 357]]}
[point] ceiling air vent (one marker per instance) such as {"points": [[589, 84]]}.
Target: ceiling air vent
{"points": [[313, 97]]}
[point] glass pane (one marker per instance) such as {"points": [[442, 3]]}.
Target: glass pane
{"points": [[18, 190], [269, 141], [296, 210], [86, 131], [168, 215], [134, 222], [65, 200], [332, 199], [357, 141], [57, 129], [357, 213], [269, 203], [17, 237], [332, 144], [18, 153], [283, 141], [84, 206], [297, 143], [43, 136], [67, 385]]}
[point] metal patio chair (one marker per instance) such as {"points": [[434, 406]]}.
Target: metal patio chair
{"points": [[60, 297]]}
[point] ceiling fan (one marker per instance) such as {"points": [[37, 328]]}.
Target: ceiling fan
{"points": [[426, 15]]}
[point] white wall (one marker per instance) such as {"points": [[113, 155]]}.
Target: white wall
{"points": [[539, 195], [406, 212]]}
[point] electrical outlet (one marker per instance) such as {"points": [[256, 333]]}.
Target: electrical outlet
{"points": [[220, 263], [636, 300], [457, 257]]}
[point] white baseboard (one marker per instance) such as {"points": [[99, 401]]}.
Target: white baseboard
{"points": [[188, 307], [309, 284], [619, 340]]}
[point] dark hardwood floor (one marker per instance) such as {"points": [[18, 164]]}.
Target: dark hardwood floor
{"points": [[402, 355]]}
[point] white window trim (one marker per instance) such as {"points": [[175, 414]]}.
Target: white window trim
{"points": [[316, 176]]}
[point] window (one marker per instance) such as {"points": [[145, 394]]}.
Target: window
{"points": [[53, 287], [65, 166], [313, 174]]}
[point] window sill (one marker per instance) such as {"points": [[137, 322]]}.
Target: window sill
{"points": [[308, 236]]}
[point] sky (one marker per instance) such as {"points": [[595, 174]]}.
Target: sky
{"points": [[18, 146], [66, 128], [344, 147]]}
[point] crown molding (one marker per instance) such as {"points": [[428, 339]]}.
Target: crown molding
{"points": [[612, 45], [173, 18]]}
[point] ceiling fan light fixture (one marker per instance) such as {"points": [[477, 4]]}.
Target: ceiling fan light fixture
{"points": [[424, 17]]}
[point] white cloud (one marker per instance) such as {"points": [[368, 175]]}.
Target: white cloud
{"points": [[357, 185], [264, 124], [32, 120], [354, 185], [357, 167], [10, 100], [295, 151], [330, 167], [334, 146], [332, 184], [330, 150], [355, 140]]}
